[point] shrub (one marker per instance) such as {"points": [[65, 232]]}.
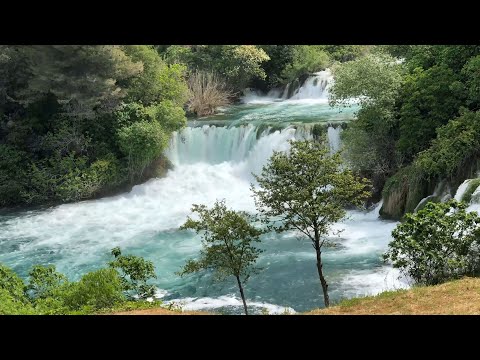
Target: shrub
{"points": [[13, 284], [135, 273], [9, 305], [141, 142], [307, 59], [437, 244], [44, 281], [168, 114], [207, 92], [95, 290]]}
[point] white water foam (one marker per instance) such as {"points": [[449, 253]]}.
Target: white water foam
{"points": [[204, 303], [313, 91], [359, 283], [223, 159], [461, 190]]}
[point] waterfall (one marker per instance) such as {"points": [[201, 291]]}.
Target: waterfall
{"points": [[334, 141], [252, 144], [461, 190], [315, 87]]}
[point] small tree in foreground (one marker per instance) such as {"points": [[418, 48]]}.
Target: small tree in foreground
{"points": [[437, 244], [44, 281], [228, 240], [134, 273], [307, 189]]}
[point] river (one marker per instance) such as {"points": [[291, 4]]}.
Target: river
{"points": [[214, 158]]}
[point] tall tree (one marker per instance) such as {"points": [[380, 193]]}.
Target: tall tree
{"points": [[82, 78], [228, 239], [307, 190]]}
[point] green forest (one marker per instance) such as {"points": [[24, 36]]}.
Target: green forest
{"points": [[86, 122], [79, 122]]}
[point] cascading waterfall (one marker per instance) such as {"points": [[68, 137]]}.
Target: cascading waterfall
{"points": [[314, 89], [216, 144], [211, 162], [461, 190]]}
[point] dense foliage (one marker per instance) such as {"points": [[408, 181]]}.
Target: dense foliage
{"points": [[260, 66], [51, 293], [307, 190], [228, 244], [419, 112], [79, 121], [437, 244], [135, 272]]}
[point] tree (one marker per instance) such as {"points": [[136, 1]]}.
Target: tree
{"points": [[428, 99], [82, 77], [307, 190], [141, 142], [307, 59], [158, 81], [44, 281], [228, 239], [436, 244], [135, 272], [369, 142]]}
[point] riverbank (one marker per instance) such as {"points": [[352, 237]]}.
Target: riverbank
{"points": [[460, 297]]}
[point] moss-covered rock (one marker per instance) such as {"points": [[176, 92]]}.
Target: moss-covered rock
{"points": [[402, 193]]}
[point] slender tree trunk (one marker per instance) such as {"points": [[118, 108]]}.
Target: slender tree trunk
{"points": [[323, 282], [242, 295], [322, 278]]}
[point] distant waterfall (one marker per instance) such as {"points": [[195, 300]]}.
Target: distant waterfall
{"points": [[315, 87]]}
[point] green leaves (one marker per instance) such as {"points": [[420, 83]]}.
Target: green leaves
{"points": [[141, 142], [44, 281], [10, 282], [373, 79], [62, 107], [95, 290], [456, 145], [307, 59], [228, 239], [307, 189], [135, 272], [437, 244]]}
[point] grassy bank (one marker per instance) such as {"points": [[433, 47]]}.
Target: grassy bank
{"points": [[460, 297]]}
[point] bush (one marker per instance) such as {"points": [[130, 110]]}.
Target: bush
{"points": [[437, 244], [168, 114], [44, 281], [207, 92], [95, 290], [9, 305], [158, 81], [307, 59], [11, 282], [135, 273], [141, 142], [84, 182]]}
